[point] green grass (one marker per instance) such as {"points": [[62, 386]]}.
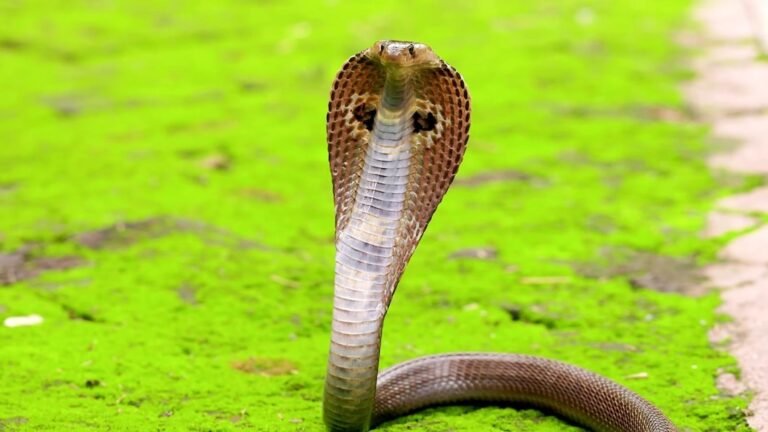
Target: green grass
{"points": [[207, 120]]}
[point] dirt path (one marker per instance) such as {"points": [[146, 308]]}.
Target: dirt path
{"points": [[731, 92]]}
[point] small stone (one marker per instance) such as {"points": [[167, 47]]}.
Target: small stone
{"points": [[23, 321]]}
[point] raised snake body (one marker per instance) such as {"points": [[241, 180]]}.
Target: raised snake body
{"points": [[397, 127]]}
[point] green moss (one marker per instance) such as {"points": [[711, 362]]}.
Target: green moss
{"points": [[211, 117]]}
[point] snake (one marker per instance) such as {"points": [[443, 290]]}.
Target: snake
{"points": [[397, 127]]}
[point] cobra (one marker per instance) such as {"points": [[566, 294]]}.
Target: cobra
{"points": [[397, 127]]}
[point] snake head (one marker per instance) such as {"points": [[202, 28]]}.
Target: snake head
{"points": [[403, 54]]}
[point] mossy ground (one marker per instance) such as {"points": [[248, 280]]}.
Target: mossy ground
{"points": [[192, 136]]}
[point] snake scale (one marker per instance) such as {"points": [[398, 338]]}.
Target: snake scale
{"points": [[397, 127]]}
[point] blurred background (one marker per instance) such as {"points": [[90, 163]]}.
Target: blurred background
{"points": [[166, 209]]}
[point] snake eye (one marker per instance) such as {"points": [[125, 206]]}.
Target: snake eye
{"points": [[411, 50]]}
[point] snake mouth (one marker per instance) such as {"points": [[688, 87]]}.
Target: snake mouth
{"points": [[403, 54]]}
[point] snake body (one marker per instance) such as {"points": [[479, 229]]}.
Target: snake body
{"points": [[397, 127]]}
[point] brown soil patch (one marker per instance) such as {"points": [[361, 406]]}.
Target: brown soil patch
{"points": [[644, 270], [127, 233], [265, 366], [20, 265], [500, 176]]}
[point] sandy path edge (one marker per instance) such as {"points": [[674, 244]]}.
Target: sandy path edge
{"points": [[731, 93]]}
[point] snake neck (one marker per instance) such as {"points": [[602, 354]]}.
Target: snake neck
{"points": [[397, 92], [364, 282]]}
